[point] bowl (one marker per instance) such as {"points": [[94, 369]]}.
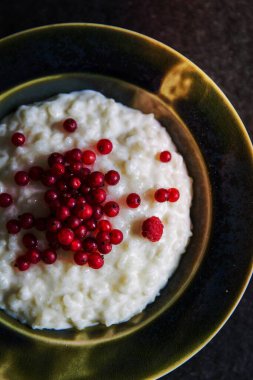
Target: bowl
{"points": [[144, 74]]}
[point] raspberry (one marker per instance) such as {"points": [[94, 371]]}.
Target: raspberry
{"points": [[152, 228]]}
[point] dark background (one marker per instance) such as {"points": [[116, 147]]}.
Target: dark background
{"points": [[218, 37]]}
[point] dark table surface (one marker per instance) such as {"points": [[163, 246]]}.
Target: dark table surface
{"points": [[218, 37]]}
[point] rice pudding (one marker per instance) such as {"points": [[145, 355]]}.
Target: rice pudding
{"points": [[64, 294]]}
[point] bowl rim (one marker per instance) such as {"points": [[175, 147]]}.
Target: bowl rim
{"points": [[205, 340]]}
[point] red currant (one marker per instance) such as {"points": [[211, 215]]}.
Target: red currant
{"points": [[161, 195], [53, 225], [116, 236], [22, 263], [13, 226], [104, 225], [112, 177], [30, 241], [48, 179], [73, 222], [90, 245], [55, 158], [62, 213], [5, 200], [33, 256], [22, 178], [103, 237], [76, 245], [96, 179], [173, 195], [65, 236], [58, 170], [50, 196], [80, 258], [18, 139], [81, 232], [70, 125], [98, 196], [104, 248], [91, 225], [95, 261], [111, 209], [133, 200], [97, 212], [75, 183], [84, 212], [26, 220], [73, 155], [104, 146], [89, 157], [49, 256], [165, 156]]}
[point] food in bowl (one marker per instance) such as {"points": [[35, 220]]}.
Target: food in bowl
{"points": [[96, 203]]}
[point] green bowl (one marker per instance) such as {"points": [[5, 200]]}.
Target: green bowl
{"points": [[144, 74]]}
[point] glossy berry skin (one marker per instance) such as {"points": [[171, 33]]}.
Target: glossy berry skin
{"points": [[40, 224], [80, 202], [90, 245], [50, 196], [26, 220], [112, 177], [76, 245], [75, 183], [5, 200], [116, 237], [173, 195], [83, 174], [48, 179], [96, 179], [30, 241], [80, 258], [97, 212], [104, 248], [53, 225], [61, 185], [22, 263], [58, 170], [33, 256], [22, 178], [133, 200], [98, 196], [35, 173], [111, 209], [76, 167], [165, 156], [103, 237], [104, 225], [89, 157], [49, 256], [73, 222], [65, 236], [81, 232], [18, 139], [152, 229], [62, 213], [73, 155], [13, 226], [55, 158], [91, 224], [95, 261], [70, 125], [69, 202], [104, 146], [161, 195], [85, 212]]}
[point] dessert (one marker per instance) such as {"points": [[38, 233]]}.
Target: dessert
{"points": [[94, 208]]}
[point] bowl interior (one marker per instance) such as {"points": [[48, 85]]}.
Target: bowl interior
{"points": [[138, 98]]}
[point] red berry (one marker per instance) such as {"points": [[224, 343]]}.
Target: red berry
{"points": [[50, 196], [5, 200], [152, 228], [81, 258], [18, 139], [95, 261], [69, 202], [22, 263], [35, 173], [51, 237], [75, 183], [76, 167], [55, 205], [97, 212], [58, 170], [48, 179], [112, 177], [85, 189], [98, 196], [22, 178], [30, 241], [103, 237], [173, 195], [40, 224], [116, 236], [62, 213], [13, 226], [83, 173], [80, 202], [90, 245], [33, 256], [91, 225], [89, 157], [76, 245], [53, 225], [111, 209], [49, 256], [104, 146], [161, 195], [165, 156], [96, 179], [104, 248], [73, 222], [65, 236], [26, 220], [70, 125], [55, 158], [73, 155], [84, 212], [81, 232], [61, 185], [133, 200], [104, 225]]}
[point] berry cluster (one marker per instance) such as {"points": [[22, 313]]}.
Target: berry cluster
{"points": [[76, 201]]}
